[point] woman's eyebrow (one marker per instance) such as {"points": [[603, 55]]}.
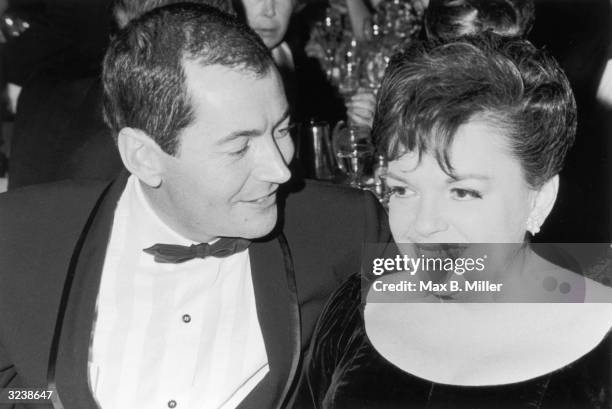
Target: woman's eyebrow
{"points": [[399, 178], [459, 177]]}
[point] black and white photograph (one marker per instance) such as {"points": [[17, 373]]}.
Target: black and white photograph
{"points": [[306, 204]]}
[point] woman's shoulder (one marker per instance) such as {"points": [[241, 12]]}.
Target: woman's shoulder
{"points": [[338, 330], [344, 303], [342, 317], [586, 379]]}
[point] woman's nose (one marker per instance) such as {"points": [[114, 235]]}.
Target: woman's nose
{"points": [[429, 219]]}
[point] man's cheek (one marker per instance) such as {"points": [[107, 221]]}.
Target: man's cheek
{"points": [[287, 150]]}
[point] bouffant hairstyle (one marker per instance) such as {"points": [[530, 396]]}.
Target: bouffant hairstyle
{"points": [[431, 89], [449, 19]]}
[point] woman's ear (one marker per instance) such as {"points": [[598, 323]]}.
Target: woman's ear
{"points": [[141, 156], [543, 202]]}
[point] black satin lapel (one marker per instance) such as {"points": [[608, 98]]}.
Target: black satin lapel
{"points": [[279, 319], [68, 362]]}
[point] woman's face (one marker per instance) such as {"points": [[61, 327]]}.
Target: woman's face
{"points": [[488, 200]]}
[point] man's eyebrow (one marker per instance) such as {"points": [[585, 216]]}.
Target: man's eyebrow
{"points": [[282, 118], [246, 133], [239, 134]]}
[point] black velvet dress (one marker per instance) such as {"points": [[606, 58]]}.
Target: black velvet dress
{"points": [[346, 372]]}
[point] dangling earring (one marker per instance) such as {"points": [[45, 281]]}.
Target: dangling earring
{"points": [[533, 225]]}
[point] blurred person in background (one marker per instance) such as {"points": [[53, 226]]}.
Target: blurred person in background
{"points": [[59, 131], [62, 37], [55, 61], [358, 16], [283, 26]]}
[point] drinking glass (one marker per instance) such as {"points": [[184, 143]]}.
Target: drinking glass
{"points": [[353, 151]]}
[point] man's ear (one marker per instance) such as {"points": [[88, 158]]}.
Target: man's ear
{"points": [[141, 155], [543, 202]]}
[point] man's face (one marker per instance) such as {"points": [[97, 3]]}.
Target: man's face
{"points": [[231, 159], [269, 19]]}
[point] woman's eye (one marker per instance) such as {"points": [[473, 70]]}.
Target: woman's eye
{"points": [[466, 194], [399, 191]]}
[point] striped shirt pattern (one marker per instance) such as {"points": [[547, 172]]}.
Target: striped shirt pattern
{"points": [[171, 335]]}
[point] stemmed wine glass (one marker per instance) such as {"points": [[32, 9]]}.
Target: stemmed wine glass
{"points": [[353, 151]]}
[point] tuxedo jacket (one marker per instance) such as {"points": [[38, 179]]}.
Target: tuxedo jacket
{"points": [[53, 241]]}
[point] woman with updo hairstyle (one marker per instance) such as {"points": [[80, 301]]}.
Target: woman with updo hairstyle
{"points": [[476, 131], [445, 20], [448, 19]]}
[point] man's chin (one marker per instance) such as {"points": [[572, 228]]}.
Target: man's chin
{"points": [[261, 226]]}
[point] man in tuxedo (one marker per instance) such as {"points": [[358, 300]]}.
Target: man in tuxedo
{"points": [[195, 280]]}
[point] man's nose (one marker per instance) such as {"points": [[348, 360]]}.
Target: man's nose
{"points": [[269, 8], [429, 218], [271, 165]]}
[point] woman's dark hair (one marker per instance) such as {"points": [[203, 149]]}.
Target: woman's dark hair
{"points": [[449, 19], [431, 89]]}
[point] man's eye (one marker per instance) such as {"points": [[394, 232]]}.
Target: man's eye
{"points": [[241, 151], [281, 133], [465, 194]]}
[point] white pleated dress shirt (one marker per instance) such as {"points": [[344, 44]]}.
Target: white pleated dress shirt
{"points": [[171, 335]]}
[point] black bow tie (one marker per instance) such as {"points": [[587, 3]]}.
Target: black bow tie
{"points": [[172, 253]]}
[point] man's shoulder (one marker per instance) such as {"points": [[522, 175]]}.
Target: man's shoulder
{"points": [[40, 226], [49, 198], [39, 212]]}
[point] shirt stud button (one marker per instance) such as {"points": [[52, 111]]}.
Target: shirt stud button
{"points": [[172, 404], [186, 318]]}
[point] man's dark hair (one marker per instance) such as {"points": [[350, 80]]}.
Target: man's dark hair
{"points": [[449, 19], [127, 10], [431, 89], [143, 75]]}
